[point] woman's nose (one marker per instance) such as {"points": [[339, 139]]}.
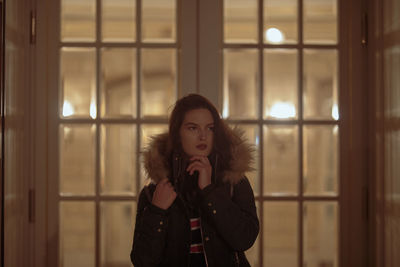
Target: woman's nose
{"points": [[202, 135]]}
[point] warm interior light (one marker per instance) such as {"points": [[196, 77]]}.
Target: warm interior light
{"points": [[335, 112], [282, 110], [93, 110], [274, 35], [68, 109], [257, 143], [225, 110]]}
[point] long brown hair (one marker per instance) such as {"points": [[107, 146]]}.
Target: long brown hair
{"points": [[222, 140]]}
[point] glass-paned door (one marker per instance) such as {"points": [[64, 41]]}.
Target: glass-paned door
{"points": [[117, 77], [280, 83]]}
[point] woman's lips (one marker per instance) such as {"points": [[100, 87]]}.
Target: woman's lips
{"points": [[201, 147]]}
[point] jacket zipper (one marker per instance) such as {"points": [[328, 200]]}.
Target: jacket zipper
{"points": [[202, 239]]}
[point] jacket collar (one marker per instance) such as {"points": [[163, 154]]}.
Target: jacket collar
{"points": [[157, 156]]}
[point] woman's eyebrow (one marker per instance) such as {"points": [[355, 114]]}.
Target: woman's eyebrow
{"points": [[189, 123], [195, 124]]}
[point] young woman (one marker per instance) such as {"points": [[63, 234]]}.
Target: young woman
{"points": [[199, 209]]}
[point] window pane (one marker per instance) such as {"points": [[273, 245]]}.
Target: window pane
{"points": [[117, 224], [281, 149], [320, 234], [118, 159], [241, 80], [159, 20], [320, 82], [78, 83], [320, 21], [118, 82], [240, 21], [77, 234], [391, 17], [321, 165], [280, 21], [280, 234], [148, 131], [77, 159], [78, 22], [158, 81], [280, 84], [391, 80], [251, 134], [118, 20]]}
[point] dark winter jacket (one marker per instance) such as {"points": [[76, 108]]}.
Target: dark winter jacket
{"points": [[229, 222]]}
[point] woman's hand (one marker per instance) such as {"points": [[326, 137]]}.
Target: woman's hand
{"points": [[203, 166], [164, 195]]}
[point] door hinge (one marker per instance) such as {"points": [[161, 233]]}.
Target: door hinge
{"points": [[31, 205], [33, 27], [364, 29]]}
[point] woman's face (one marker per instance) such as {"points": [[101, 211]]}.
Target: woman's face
{"points": [[197, 132]]}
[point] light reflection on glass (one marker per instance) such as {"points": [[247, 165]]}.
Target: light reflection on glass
{"points": [[335, 112], [274, 35], [77, 81], [68, 109], [257, 141], [280, 84], [282, 110], [225, 111], [335, 129], [93, 110], [282, 15]]}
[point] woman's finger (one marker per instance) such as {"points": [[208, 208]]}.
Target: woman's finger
{"points": [[195, 166]]}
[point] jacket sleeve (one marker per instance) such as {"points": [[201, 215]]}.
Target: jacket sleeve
{"points": [[234, 217], [150, 232]]}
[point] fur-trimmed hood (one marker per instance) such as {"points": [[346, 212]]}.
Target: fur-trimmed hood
{"points": [[157, 153]]}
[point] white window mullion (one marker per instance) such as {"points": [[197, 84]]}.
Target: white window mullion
{"points": [[209, 50], [187, 58]]}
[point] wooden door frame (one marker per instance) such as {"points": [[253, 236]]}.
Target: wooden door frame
{"points": [[381, 246], [354, 162], [375, 135], [2, 65], [44, 238]]}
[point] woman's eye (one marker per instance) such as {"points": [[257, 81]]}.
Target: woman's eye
{"points": [[192, 128], [211, 129]]}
